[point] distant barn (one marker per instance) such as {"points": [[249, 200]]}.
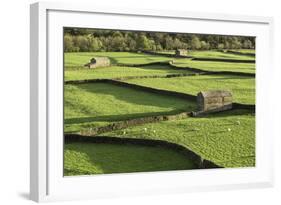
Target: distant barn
{"points": [[218, 100], [181, 52], [97, 62]]}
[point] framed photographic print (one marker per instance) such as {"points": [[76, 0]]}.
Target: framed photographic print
{"points": [[127, 102]]}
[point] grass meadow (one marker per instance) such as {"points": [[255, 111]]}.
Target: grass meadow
{"points": [[226, 139]]}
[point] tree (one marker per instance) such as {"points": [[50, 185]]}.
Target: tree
{"points": [[205, 45], [76, 39], [159, 47], [235, 43], [247, 44], [68, 43], [131, 44], [143, 43], [159, 38], [177, 44], [94, 44], [117, 34], [221, 46], [82, 43], [169, 43], [195, 43], [118, 43]]}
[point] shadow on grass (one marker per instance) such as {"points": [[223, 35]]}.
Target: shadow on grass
{"points": [[235, 112], [98, 158], [136, 97], [224, 77]]}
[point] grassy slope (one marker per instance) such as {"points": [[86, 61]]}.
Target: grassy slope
{"points": [[217, 54], [75, 61], [245, 50], [217, 66], [228, 148], [90, 105], [243, 88], [227, 139], [91, 158], [120, 71]]}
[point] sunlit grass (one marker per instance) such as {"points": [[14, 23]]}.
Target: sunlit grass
{"points": [[121, 72], [228, 138], [242, 88]]}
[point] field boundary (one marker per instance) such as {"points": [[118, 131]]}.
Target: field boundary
{"points": [[155, 90], [200, 162], [205, 59], [224, 60], [197, 71], [165, 54], [240, 53], [119, 125], [251, 107], [136, 87]]}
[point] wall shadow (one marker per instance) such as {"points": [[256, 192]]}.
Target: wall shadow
{"points": [[137, 97]]}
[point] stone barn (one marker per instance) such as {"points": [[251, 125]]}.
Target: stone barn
{"points": [[215, 100], [97, 62], [181, 52]]}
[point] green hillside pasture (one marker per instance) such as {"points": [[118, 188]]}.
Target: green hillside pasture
{"points": [[227, 139], [78, 60], [242, 88], [97, 104], [253, 51], [217, 66], [218, 54], [91, 158], [121, 71]]}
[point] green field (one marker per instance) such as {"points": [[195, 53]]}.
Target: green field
{"points": [[91, 158], [218, 54], [227, 138], [75, 69], [217, 66], [121, 71], [78, 60], [98, 104], [252, 51], [242, 88]]}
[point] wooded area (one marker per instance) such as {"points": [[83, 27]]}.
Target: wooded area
{"points": [[88, 40]]}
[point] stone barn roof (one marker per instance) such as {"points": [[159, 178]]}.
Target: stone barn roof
{"points": [[215, 93]]}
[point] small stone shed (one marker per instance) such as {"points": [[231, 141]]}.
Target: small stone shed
{"points": [[181, 52], [97, 62], [214, 100]]}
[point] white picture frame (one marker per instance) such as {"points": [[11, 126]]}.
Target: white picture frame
{"points": [[46, 137]]}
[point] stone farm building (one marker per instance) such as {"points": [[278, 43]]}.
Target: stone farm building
{"points": [[97, 62], [181, 52], [217, 100]]}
